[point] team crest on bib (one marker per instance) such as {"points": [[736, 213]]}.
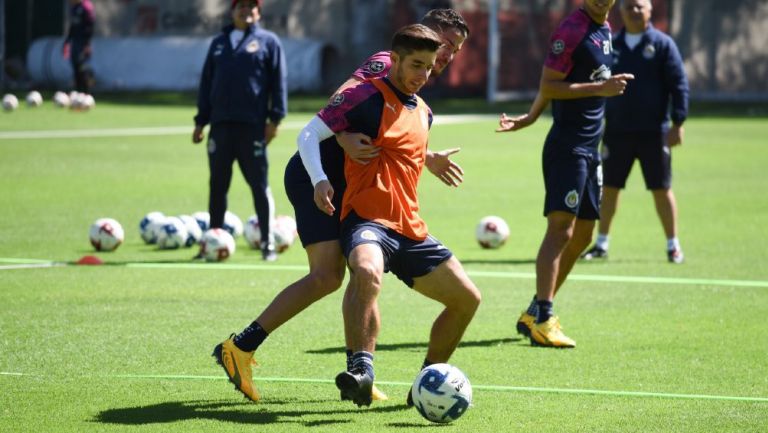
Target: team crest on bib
{"points": [[558, 46], [572, 199], [252, 47], [337, 99], [375, 67], [649, 51], [368, 235]]}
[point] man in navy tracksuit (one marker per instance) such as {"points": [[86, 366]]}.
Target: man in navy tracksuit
{"points": [[638, 122], [243, 95], [77, 45]]}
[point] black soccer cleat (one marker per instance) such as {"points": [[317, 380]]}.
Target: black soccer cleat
{"points": [[355, 385], [595, 253], [268, 252]]}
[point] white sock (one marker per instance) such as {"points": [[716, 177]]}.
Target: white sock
{"points": [[602, 241], [673, 244]]}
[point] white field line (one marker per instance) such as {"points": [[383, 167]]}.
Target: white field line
{"points": [[187, 130], [497, 388], [20, 263]]}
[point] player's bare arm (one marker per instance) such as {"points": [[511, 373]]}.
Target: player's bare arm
{"points": [[554, 86], [507, 124], [440, 164]]}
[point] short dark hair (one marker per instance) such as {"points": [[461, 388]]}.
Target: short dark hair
{"points": [[415, 37], [441, 19]]}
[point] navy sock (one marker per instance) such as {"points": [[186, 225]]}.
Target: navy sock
{"points": [[251, 337], [349, 359], [533, 307], [363, 360], [545, 311]]}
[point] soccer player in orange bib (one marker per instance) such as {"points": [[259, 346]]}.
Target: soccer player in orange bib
{"points": [[381, 229]]}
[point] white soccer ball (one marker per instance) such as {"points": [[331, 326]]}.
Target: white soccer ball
{"points": [[106, 234], [252, 232], [441, 393], [61, 99], [203, 220], [34, 99], [194, 232], [88, 101], [172, 234], [10, 102], [217, 245], [491, 232], [285, 233], [233, 224], [150, 226]]}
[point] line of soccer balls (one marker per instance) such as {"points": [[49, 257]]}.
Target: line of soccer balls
{"points": [[75, 101], [173, 232]]}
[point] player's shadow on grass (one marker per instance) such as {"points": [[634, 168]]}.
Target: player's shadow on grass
{"points": [[418, 346], [498, 262], [240, 413]]}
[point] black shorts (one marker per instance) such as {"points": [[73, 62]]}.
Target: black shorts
{"points": [[621, 149], [312, 224], [404, 257], [573, 184]]}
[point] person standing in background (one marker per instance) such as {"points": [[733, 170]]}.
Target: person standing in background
{"points": [[243, 95], [577, 78], [77, 45], [637, 123]]}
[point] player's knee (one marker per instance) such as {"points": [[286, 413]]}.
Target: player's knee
{"points": [[367, 277], [326, 281]]}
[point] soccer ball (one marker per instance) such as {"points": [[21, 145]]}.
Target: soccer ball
{"points": [[441, 393], [203, 220], [172, 234], [491, 232], [217, 245], [285, 232], [10, 102], [194, 232], [233, 224], [252, 232], [34, 99], [61, 99], [106, 234], [150, 226]]}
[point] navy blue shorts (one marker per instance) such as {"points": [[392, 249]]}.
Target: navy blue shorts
{"points": [[573, 184], [404, 257], [621, 149], [312, 224]]}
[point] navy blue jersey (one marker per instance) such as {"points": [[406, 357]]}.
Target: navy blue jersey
{"points": [[81, 19], [659, 79], [581, 49], [246, 83]]}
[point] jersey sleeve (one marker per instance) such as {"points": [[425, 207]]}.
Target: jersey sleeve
{"points": [[336, 115], [376, 66], [564, 42]]}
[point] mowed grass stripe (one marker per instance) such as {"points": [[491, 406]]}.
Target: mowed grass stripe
{"points": [[18, 263], [496, 388]]}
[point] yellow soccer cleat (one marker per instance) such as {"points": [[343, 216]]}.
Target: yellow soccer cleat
{"points": [[237, 364], [525, 323], [377, 395], [549, 334]]}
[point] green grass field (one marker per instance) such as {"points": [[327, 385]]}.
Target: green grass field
{"points": [[126, 346]]}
